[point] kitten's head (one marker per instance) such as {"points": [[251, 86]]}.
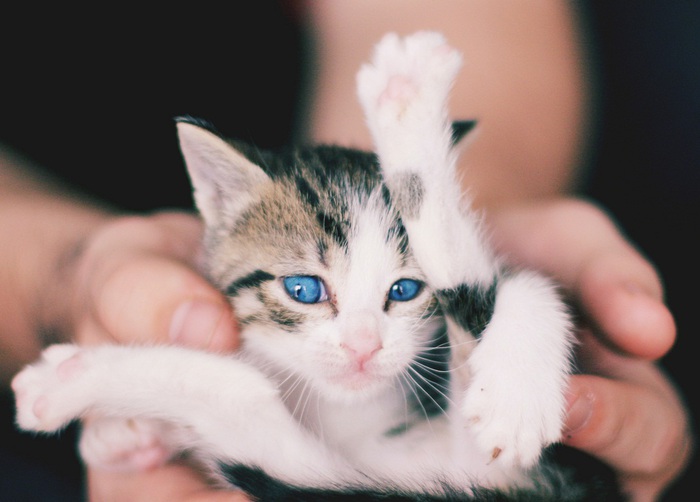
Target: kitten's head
{"points": [[314, 259]]}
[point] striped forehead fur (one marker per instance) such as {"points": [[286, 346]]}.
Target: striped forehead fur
{"points": [[304, 214]]}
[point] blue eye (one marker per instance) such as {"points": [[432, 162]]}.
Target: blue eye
{"points": [[305, 288], [404, 290]]}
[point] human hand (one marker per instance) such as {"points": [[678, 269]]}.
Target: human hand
{"points": [[171, 483], [623, 410], [136, 281]]}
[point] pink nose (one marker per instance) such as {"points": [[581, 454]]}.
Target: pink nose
{"points": [[362, 345]]}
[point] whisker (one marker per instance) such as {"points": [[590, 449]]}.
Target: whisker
{"points": [[412, 385], [301, 398], [432, 386], [290, 390]]}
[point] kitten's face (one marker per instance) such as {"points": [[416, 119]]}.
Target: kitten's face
{"points": [[320, 275], [315, 261]]}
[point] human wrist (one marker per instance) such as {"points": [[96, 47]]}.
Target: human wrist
{"points": [[42, 228], [57, 286]]}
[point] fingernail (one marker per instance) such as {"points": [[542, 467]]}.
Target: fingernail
{"points": [[579, 411], [202, 324]]}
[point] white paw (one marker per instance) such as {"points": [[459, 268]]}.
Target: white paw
{"points": [[124, 445], [45, 396], [408, 79], [512, 416]]}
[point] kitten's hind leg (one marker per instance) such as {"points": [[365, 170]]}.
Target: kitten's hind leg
{"points": [[128, 444], [225, 410]]}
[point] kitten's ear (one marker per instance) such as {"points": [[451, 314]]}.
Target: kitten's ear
{"points": [[460, 129], [224, 180]]}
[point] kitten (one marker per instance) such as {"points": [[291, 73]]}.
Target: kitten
{"points": [[387, 354]]}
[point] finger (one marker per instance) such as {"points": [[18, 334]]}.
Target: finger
{"points": [[579, 245], [170, 483], [624, 424], [629, 427], [634, 420], [141, 286], [152, 299]]}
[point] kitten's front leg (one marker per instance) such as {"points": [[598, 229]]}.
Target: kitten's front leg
{"points": [[515, 401], [223, 409], [518, 368]]}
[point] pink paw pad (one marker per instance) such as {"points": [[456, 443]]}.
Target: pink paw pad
{"points": [[41, 406], [400, 87], [69, 368]]}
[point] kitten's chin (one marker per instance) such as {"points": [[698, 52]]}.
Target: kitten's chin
{"points": [[355, 387]]}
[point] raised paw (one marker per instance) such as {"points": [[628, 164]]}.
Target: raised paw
{"points": [[408, 80], [125, 445], [45, 394]]}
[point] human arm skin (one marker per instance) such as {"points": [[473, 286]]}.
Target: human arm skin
{"points": [[522, 81], [41, 232], [72, 269], [525, 81]]}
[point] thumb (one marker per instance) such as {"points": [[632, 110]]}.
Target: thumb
{"points": [[638, 433], [629, 416], [139, 285], [152, 298], [170, 482]]}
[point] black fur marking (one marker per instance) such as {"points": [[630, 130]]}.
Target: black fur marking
{"points": [[577, 477], [461, 128], [322, 250], [286, 319], [204, 124], [263, 487], [397, 233], [386, 195], [252, 280], [471, 306], [333, 228], [307, 192], [274, 313], [407, 192], [251, 319]]}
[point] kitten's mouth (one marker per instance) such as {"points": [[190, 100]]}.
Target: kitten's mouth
{"points": [[359, 378]]}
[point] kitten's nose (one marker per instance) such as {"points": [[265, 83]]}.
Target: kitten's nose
{"points": [[361, 339], [362, 346]]}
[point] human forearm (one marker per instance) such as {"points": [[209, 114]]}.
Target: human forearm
{"points": [[42, 227], [522, 80]]}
